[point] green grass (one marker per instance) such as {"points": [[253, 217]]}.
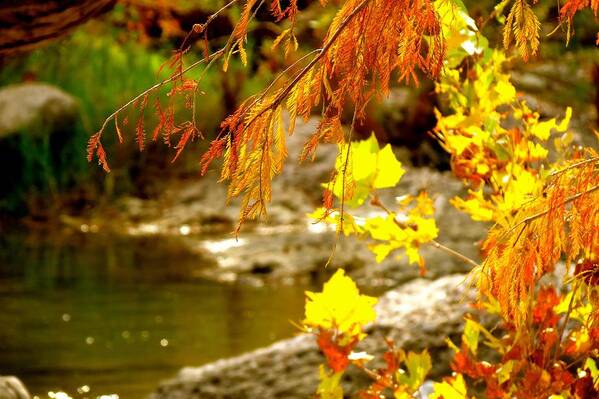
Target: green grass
{"points": [[102, 68]]}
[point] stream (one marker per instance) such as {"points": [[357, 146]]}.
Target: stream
{"points": [[89, 314]]}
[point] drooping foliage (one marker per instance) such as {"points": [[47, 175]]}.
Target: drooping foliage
{"points": [[521, 172]]}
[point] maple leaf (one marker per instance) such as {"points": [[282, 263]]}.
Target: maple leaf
{"points": [[408, 229], [339, 306], [451, 388]]}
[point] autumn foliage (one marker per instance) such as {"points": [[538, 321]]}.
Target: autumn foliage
{"points": [[521, 171]]}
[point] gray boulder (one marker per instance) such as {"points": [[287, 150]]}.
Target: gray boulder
{"points": [[12, 388], [418, 315], [35, 108], [37, 141]]}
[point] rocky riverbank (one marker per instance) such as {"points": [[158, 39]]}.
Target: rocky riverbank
{"points": [[288, 246], [418, 315]]}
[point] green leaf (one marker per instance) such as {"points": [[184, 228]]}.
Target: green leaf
{"points": [[504, 373], [470, 335], [418, 366], [329, 387], [592, 366]]}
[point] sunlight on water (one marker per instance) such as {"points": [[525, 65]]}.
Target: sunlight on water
{"points": [[219, 246], [81, 390]]}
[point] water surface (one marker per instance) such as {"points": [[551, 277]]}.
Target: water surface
{"points": [[119, 315]]}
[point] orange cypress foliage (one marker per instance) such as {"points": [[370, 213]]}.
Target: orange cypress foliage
{"points": [[118, 129], [94, 147], [523, 26], [367, 42], [561, 222], [188, 133], [161, 120], [279, 13], [329, 131], [571, 7], [139, 127]]}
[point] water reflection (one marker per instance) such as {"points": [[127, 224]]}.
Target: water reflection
{"points": [[119, 315]]}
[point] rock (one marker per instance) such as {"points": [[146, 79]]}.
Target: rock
{"points": [[301, 249], [12, 388], [418, 315], [37, 138], [35, 108]]}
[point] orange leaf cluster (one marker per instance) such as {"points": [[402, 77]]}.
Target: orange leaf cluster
{"points": [[529, 365], [561, 222], [571, 7], [522, 26], [367, 43]]}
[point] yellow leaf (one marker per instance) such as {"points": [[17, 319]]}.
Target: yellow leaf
{"points": [[424, 204], [536, 152], [506, 91], [350, 224], [366, 168], [563, 126], [381, 251], [504, 373], [542, 130], [451, 388], [426, 229], [400, 394], [388, 169], [470, 335], [339, 306], [520, 190], [394, 235], [475, 206], [413, 254], [458, 143]]}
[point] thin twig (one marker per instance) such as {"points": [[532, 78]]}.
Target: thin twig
{"points": [[574, 165], [455, 253], [204, 26], [562, 328], [209, 58], [280, 75], [344, 171]]}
